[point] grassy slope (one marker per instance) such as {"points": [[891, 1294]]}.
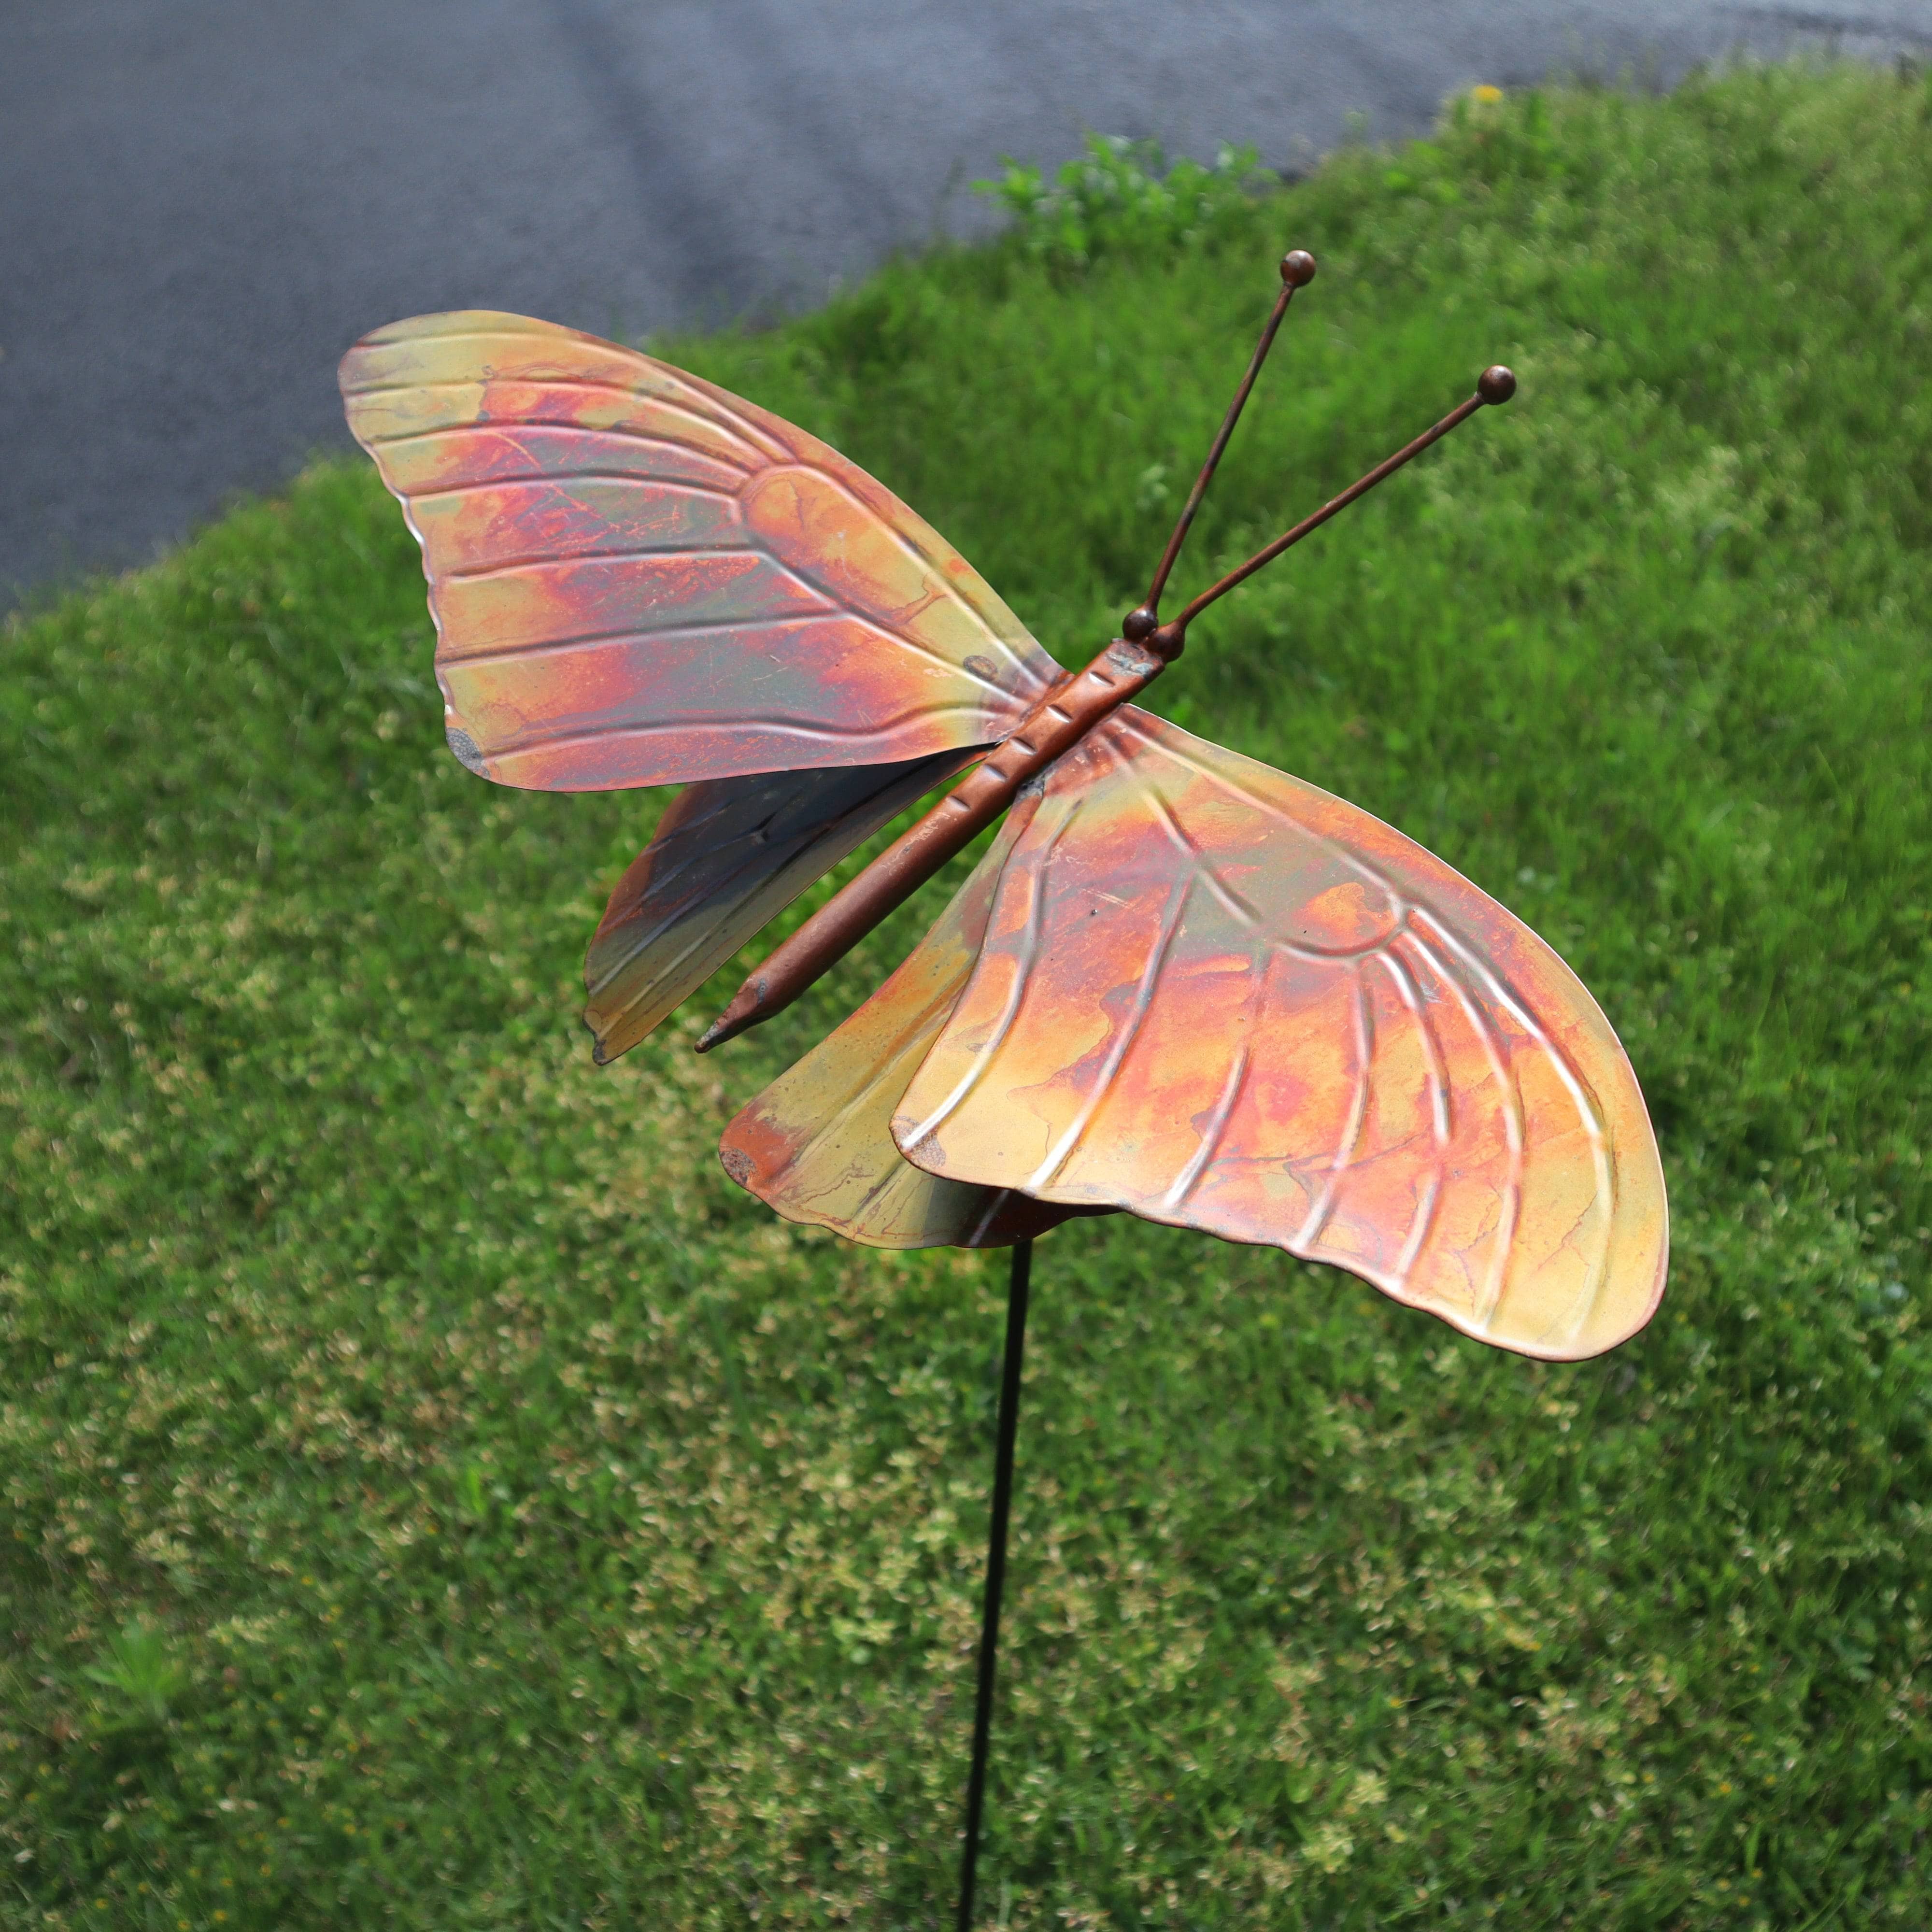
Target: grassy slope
{"points": [[434, 1496]]}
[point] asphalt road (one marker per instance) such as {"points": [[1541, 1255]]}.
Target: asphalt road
{"points": [[203, 202]]}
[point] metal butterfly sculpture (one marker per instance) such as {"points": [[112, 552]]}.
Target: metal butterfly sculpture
{"points": [[1179, 983]]}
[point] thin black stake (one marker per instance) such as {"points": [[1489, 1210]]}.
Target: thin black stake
{"points": [[1019, 1282]]}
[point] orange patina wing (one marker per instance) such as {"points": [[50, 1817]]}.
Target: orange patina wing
{"points": [[638, 579], [1221, 998], [816, 1144]]}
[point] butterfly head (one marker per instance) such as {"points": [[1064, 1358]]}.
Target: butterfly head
{"points": [[1143, 626]]}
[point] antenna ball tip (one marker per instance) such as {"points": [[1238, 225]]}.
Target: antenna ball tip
{"points": [[1297, 268], [1137, 626], [1496, 384]]}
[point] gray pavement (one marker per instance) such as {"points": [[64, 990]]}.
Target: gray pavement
{"points": [[202, 202]]}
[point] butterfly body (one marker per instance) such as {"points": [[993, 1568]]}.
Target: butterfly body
{"points": [[1070, 709], [1179, 984]]}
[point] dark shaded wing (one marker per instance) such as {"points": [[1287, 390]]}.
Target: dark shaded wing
{"points": [[728, 854], [638, 579], [1221, 998]]}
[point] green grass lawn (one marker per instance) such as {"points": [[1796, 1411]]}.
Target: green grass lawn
{"points": [[435, 1497]]}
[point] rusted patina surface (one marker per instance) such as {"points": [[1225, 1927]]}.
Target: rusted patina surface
{"points": [[816, 1144], [728, 854], [1220, 997], [1069, 711], [638, 578]]}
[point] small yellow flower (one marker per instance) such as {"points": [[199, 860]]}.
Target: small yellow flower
{"points": [[1486, 94]]}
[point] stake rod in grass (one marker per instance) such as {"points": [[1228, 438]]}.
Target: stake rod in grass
{"points": [[1178, 984], [1018, 1284]]}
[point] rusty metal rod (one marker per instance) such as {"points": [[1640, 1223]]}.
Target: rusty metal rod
{"points": [[1496, 385], [1068, 712], [1297, 271]]}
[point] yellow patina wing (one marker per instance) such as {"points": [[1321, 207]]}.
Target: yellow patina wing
{"points": [[640, 579], [1219, 998], [816, 1144]]}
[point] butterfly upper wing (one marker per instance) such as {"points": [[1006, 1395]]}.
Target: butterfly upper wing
{"points": [[728, 854], [816, 1144], [637, 578], [1222, 998]]}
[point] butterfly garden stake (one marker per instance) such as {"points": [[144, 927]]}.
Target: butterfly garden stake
{"points": [[1179, 984]]}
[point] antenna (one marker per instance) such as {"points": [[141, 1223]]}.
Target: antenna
{"points": [[1496, 385], [1297, 271]]}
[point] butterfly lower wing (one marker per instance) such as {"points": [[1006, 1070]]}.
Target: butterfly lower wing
{"points": [[1221, 998], [816, 1144], [637, 578], [728, 855]]}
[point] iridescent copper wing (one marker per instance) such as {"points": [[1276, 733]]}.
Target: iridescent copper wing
{"points": [[1219, 998], [639, 579]]}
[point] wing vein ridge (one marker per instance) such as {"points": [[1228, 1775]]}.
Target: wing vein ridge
{"points": [[1324, 1203], [721, 890], [1410, 994], [1266, 806], [1123, 1039], [853, 1101], [831, 734], [1580, 1095], [1509, 1103], [765, 626], [775, 448], [644, 396], [1010, 1011], [1176, 1197], [1031, 683], [508, 432], [565, 479], [551, 560]]}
